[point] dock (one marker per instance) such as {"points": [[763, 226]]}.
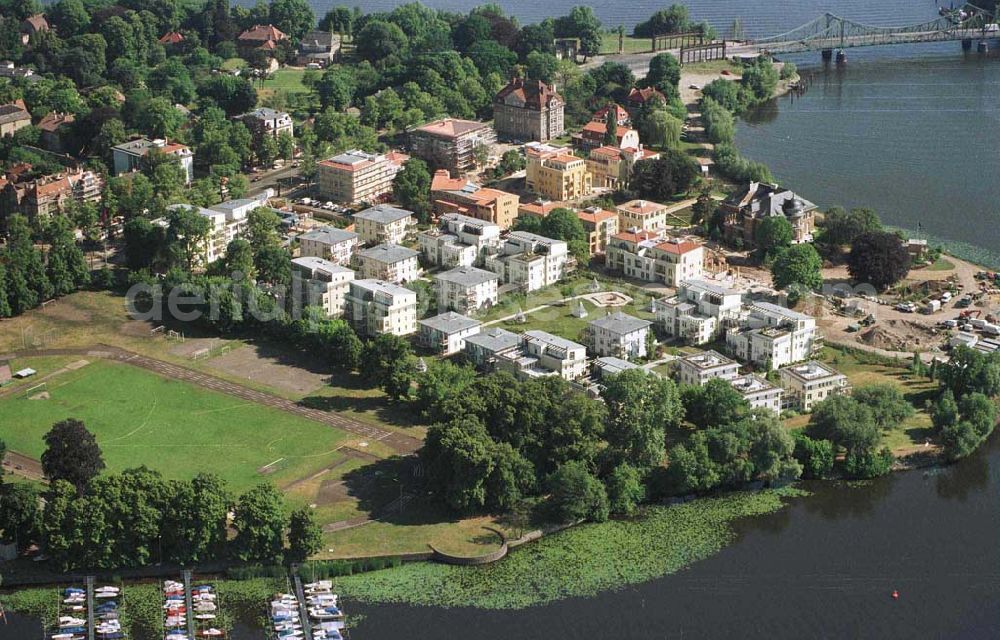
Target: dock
{"points": [[90, 607], [186, 578], [303, 610]]}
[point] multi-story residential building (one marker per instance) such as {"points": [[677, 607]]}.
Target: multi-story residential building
{"points": [[542, 354], [611, 167], [451, 143], [618, 334], [318, 47], [446, 333], [528, 110], [321, 283], [811, 382], [48, 195], [458, 241], [698, 368], [592, 136], [354, 176], [746, 209], [13, 116], [642, 215], [611, 366], [485, 348], [264, 37], [772, 336], [265, 122], [531, 261], [329, 243], [457, 195], [127, 156], [637, 98], [758, 392], [622, 118], [53, 130], [375, 307], [553, 173], [383, 223], [389, 262], [228, 220], [540, 208], [600, 226], [700, 311], [655, 258], [466, 289]]}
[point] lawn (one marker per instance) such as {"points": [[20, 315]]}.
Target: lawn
{"points": [[942, 264], [178, 429], [287, 79], [609, 44]]}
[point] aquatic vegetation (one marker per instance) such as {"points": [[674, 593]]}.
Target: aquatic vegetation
{"points": [[582, 561]]}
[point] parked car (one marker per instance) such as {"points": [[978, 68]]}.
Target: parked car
{"points": [[949, 324], [906, 307]]}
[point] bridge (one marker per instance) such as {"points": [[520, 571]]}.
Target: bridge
{"points": [[829, 31]]}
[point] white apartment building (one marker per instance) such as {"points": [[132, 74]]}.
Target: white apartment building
{"points": [[699, 312], [458, 241], [375, 307], [773, 336], [227, 221], [446, 333], [484, 348], [264, 121], [618, 334], [383, 223], [697, 369], [467, 289], [354, 176], [542, 354], [329, 243], [127, 156], [642, 215], [758, 392], [611, 366], [531, 261], [389, 262], [321, 283], [652, 257], [811, 382]]}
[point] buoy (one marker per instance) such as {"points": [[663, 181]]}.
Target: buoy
{"points": [[895, 595]]}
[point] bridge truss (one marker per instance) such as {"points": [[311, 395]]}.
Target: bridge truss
{"points": [[830, 31]]}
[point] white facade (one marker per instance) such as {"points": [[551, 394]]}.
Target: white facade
{"points": [[329, 243], [459, 241], [811, 382], [771, 335], [486, 347], [757, 391], [446, 333], [375, 307], [323, 284], [699, 312], [389, 262], [543, 354], [127, 157], [383, 224], [530, 260], [656, 258], [699, 368], [466, 289], [618, 334]]}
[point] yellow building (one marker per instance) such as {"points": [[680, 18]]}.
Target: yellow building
{"points": [[555, 174]]}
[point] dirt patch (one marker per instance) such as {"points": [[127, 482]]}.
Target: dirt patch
{"points": [[191, 347], [900, 335], [79, 364], [137, 328], [67, 312], [21, 465], [267, 365], [44, 395], [331, 492]]}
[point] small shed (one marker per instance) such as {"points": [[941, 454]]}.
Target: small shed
{"points": [[25, 373]]}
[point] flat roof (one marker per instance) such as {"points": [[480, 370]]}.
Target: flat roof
{"points": [[621, 323], [450, 322], [389, 253], [467, 276], [553, 340], [810, 371], [313, 263], [494, 340], [708, 360], [329, 235], [383, 214]]}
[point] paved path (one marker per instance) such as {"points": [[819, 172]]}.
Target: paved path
{"points": [[399, 442]]}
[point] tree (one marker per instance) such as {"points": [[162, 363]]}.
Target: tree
{"points": [[715, 403], [70, 17], [662, 179], [305, 537], [387, 361], [259, 521], [583, 24], [20, 515], [887, 404], [490, 56], [294, 17], [625, 490], [378, 40], [759, 79], [143, 243], [673, 19], [27, 282], [945, 410], [846, 423], [541, 66], [664, 73], [773, 234], [868, 464], [723, 93], [878, 258], [262, 229], [660, 129], [536, 38], [640, 409], [194, 522], [799, 265], [338, 20], [67, 267], [815, 456], [970, 371], [336, 88], [412, 188], [575, 494], [186, 234], [273, 265], [841, 227], [458, 456], [611, 125], [71, 454], [563, 224], [239, 259]]}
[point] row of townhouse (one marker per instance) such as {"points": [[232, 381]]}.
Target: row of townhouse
{"points": [[47, 195], [800, 386]]}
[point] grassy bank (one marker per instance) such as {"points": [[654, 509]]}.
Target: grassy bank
{"points": [[580, 562]]}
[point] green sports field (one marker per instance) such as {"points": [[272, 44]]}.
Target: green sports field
{"points": [[174, 427]]}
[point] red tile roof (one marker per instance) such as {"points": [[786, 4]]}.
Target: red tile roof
{"points": [[678, 248], [534, 93], [594, 217], [262, 33], [171, 38], [450, 127], [640, 96]]}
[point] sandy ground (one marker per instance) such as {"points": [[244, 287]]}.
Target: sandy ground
{"points": [[288, 371]]}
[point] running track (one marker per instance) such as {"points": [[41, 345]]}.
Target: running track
{"points": [[400, 443]]}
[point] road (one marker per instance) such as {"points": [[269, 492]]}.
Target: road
{"points": [[398, 442]]}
